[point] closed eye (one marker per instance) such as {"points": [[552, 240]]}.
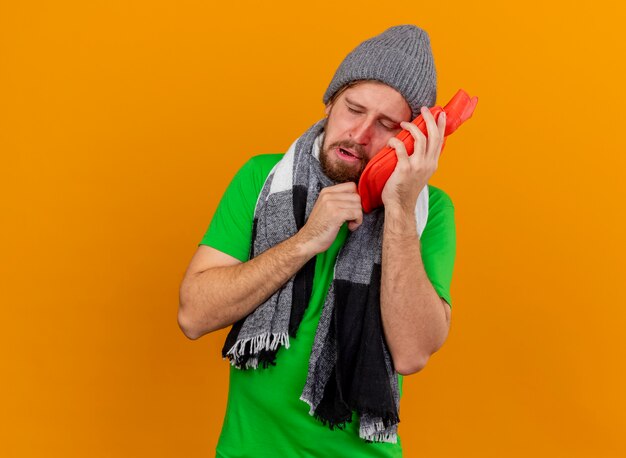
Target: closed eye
{"points": [[385, 126], [388, 127]]}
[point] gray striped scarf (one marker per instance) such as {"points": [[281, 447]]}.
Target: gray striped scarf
{"points": [[350, 367]]}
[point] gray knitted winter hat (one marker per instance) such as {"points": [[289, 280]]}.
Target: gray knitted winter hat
{"points": [[400, 57]]}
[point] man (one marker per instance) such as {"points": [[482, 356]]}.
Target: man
{"points": [[331, 306]]}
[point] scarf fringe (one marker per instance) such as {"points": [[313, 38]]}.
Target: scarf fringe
{"points": [[380, 437], [310, 403], [375, 432], [324, 421], [265, 341]]}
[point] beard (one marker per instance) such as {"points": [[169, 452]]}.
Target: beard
{"points": [[337, 170]]}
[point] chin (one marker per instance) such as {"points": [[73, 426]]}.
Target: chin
{"points": [[339, 172]]}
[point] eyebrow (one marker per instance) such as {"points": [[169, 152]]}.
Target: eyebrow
{"points": [[352, 102]]}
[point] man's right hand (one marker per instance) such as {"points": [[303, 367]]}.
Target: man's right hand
{"points": [[218, 289], [334, 206]]}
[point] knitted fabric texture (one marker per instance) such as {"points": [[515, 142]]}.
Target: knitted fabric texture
{"points": [[350, 367], [400, 57]]}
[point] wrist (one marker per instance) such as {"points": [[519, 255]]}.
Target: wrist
{"points": [[303, 246], [400, 220]]}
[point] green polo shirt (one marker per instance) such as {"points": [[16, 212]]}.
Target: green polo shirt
{"points": [[265, 416]]}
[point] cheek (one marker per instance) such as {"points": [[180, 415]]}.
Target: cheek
{"points": [[338, 127], [379, 142], [378, 146]]}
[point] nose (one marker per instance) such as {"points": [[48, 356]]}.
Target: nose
{"points": [[362, 132]]}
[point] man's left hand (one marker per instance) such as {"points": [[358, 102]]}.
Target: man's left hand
{"points": [[413, 172]]}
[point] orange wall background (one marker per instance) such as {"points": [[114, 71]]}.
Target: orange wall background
{"points": [[121, 124]]}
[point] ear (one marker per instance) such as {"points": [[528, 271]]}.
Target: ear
{"points": [[327, 109]]}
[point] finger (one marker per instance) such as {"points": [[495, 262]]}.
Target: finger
{"points": [[441, 123], [354, 217], [433, 131], [401, 153], [418, 136], [340, 197], [349, 186], [419, 145], [344, 198], [353, 226]]}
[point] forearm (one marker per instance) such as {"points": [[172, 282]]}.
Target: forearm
{"points": [[414, 320], [220, 296]]}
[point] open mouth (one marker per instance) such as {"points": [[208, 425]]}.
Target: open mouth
{"points": [[345, 154]]}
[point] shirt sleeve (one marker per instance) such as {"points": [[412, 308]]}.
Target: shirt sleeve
{"points": [[230, 230], [438, 242]]}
